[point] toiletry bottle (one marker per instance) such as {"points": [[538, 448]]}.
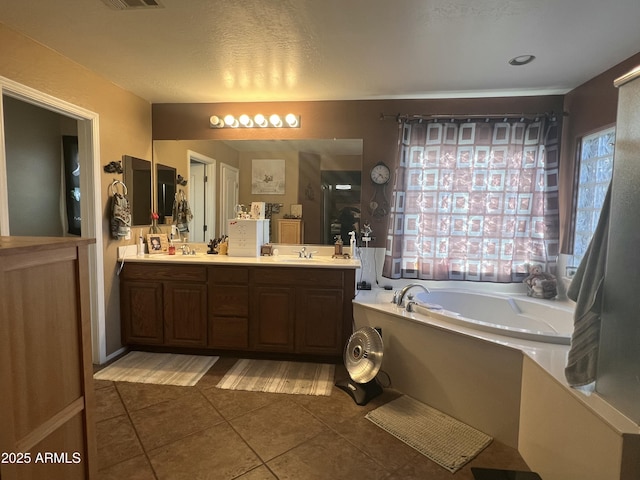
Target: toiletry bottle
{"points": [[172, 247], [338, 247], [140, 245], [352, 243]]}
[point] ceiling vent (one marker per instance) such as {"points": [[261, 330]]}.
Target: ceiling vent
{"points": [[131, 4]]}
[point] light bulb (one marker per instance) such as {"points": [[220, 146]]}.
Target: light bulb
{"points": [[275, 120], [260, 120], [291, 120], [231, 121], [215, 121], [245, 120]]}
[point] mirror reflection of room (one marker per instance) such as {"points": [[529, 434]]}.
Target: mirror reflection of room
{"points": [[320, 193]]}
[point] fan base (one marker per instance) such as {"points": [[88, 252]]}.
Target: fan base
{"points": [[360, 392]]}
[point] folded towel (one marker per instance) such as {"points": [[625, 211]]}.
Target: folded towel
{"points": [[586, 290]]}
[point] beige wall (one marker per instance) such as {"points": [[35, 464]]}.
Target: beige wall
{"points": [[125, 128]]}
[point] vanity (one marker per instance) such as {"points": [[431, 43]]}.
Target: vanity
{"points": [[271, 306]]}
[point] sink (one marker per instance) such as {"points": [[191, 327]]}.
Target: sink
{"points": [[312, 260]]}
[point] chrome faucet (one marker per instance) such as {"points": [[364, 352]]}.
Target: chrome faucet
{"points": [[304, 254], [398, 296]]}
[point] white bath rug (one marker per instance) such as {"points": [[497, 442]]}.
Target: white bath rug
{"points": [[158, 368], [279, 377], [445, 440]]}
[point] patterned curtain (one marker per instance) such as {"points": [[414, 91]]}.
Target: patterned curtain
{"points": [[474, 200]]}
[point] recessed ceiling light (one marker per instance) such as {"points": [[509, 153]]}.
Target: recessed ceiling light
{"points": [[521, 60]]}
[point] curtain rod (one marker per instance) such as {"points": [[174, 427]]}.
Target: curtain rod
{"points": [[456, 116]]}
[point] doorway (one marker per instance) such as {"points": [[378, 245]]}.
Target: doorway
{"points": [[230, 190], [202, 187], [90, 201]]}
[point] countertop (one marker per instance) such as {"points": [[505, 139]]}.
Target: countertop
{"points": [[320, 261]]}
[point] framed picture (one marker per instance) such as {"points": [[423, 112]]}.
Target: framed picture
{"points": [[267, 177], [157, 243]]}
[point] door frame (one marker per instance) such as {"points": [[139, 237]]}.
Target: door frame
{"points": [[90, 200], [210, 191]]}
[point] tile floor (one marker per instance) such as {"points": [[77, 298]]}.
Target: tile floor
{"points": [[148, 432]]}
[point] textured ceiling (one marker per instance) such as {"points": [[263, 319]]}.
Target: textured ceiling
{"points": [[290, 50]]}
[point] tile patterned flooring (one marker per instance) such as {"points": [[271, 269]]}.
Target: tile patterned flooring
{"points": [[157, 432]]}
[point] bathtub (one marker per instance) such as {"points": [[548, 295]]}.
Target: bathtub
{"points": [[516, 316], [496, 362]]}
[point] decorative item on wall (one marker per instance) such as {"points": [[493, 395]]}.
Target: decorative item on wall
{"points": [[113, 167], [309, 193], [181, 180], [380, 176], [267, 177]]}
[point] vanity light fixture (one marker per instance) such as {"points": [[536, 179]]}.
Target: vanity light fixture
{"points": [[291, 120]]}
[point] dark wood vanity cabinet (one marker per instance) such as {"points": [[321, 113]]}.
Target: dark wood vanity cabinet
{"points": [[164, 304], [301, 310], [288, 310]]}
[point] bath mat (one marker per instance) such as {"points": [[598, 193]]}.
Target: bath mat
{"points": [[279, 377], [445, 440], [158, 368]]}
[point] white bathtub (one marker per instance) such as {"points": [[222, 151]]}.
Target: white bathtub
{"points": [[463, 360], [516, 316]]}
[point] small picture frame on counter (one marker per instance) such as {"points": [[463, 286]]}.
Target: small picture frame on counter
{"points": [[296, 211], [157, 243]]}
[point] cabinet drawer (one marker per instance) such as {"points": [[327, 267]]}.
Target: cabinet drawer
{"points": [[229, 300], [297, 276], [164, 271], [219, 275]]}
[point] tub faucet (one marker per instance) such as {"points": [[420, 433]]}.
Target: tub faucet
{"points": [[398, 297]]}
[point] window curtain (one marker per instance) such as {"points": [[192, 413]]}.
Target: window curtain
{"points": [[474, 200]]}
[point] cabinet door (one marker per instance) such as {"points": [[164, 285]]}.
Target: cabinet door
{"points": [[272, 319], [185, 314], [319, 321], [141, 313]]}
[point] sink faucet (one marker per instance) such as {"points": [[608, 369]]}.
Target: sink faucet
{"points": [[304, 254], [398, 296]]}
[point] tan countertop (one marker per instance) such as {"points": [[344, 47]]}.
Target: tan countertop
{"points": [[320, 261]]}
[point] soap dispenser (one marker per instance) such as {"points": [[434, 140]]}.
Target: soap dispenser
{"points": [[352, 243], [338, 247]]}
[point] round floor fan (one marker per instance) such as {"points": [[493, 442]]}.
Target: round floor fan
{"points": [[362, 358]]}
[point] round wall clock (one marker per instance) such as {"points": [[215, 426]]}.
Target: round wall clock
{"points": [[380, 174]]}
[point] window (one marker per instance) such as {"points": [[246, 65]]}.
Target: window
{"points": [[474, 201], [596, 168]]}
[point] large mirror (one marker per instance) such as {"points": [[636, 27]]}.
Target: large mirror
{"points": [[165, 192], [319, 178], [137, 178]]}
